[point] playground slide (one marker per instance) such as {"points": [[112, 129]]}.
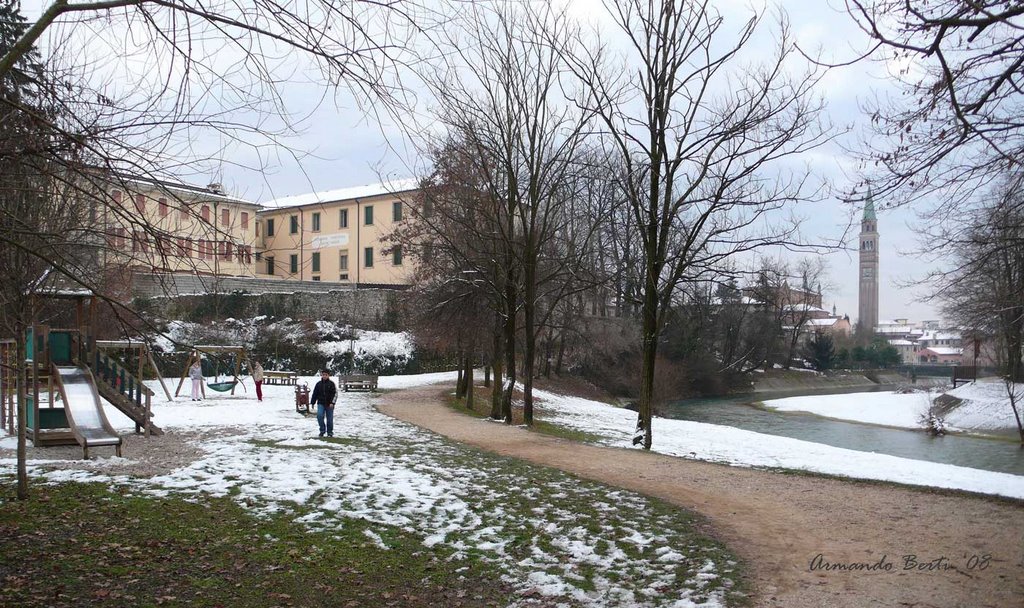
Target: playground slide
{"points": [[85, 411]]}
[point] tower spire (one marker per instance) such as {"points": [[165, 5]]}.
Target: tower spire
{"points": [[869, 207]]}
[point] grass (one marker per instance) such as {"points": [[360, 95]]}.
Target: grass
{"points": [[86, 544]]}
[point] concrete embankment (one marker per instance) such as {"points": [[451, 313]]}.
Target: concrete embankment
{"points": [[791, 380]]}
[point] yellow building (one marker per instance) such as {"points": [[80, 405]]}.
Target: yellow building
{"points": [[336, 236], [166, 227]]}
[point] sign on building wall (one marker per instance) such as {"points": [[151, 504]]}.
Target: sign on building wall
{"points": [[330, 240]]}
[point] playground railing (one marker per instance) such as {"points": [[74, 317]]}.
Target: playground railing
{"points": [[114, 375]]}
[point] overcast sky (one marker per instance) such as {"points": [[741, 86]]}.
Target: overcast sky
{"points": [[342, 145]]}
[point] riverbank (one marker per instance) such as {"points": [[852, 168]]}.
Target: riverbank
{"points": [[793, 380], [780, 523], [980, 408]]}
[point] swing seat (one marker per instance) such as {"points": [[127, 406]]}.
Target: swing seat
{"points": [[222, 387]]}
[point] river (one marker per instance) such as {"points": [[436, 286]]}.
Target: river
{"points": [[1003, 454]]}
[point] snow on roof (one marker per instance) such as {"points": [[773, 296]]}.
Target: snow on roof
{"points": [[803, 308], [187, 189], [901, 343], [940, 335], [945, 350], [823, 322], [343, 194]]}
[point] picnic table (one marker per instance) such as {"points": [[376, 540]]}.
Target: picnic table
{"points": [[280, 377], [358, 382]]}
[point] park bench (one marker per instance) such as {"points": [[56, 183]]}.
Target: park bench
{"points": [[359, 382], [279, 377]]}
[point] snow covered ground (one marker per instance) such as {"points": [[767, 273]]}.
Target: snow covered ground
{"points": [[886, 408], [985, 407], [556, 538], [701, 441]]}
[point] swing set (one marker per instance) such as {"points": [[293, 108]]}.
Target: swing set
{"points": [[237, 355]]}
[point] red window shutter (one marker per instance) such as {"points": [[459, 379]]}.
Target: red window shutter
{"points": [[117, 196], [245, 221], [163, 207], [140, 203], [225, 217], [205, 214], [227, 250]]}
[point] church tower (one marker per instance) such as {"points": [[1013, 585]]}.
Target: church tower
{"points": [[867, 320]]}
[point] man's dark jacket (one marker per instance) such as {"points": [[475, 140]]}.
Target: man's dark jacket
{"points": [[324, 393]]}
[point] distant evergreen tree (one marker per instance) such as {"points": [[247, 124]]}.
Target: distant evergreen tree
{"points": [[820, 351]]}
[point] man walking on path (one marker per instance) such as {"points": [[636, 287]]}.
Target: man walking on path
{"points": [[257, 378], [324, 396]]}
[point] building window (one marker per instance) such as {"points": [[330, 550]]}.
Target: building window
{"points": [[183, 211], [226, 249], [140, 203], [117, 196], [316, 278], [293, 264], [368, 215], [867, 272], [343, 261], [316, 261], [205, 214], [163, 207], [316, 221], [343, 218], [293, 224], [270, 264], [225, 217], [184, 250], [396, 255], [368, 257], [245, 221], [396, 211], [270, 226]]}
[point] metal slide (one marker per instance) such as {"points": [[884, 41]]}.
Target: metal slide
{"points": [[85, 411]]}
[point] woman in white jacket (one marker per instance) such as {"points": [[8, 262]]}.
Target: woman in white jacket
{"points": [[196, 374]]}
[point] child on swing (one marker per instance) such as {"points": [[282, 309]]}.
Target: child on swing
{"points": [[196, 374]]}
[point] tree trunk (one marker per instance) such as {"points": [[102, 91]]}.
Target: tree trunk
{"points": [[549, 345], [649, 351], [487, 376], [22, 390], [530, 345], [498, 372], [460, 386], [469, 383], [561, 352], [509, 335]]}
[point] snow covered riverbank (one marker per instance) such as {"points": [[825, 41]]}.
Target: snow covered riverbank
{"points": [[728, 445], [984, 407]]}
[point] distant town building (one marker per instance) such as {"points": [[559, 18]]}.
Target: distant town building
{"points": [[163, 226], [924, 342], [868, 295], [337, 236]]}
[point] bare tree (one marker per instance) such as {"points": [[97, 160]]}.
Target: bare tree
{"points": [[958, 124], [702, 137], [983, 289], [501, 91]]}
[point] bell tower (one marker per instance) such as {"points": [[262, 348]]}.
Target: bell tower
{"points": [[867, 319]]}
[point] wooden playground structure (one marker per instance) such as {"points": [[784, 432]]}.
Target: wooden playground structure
{"points": [[237, 353], [67, 372]]}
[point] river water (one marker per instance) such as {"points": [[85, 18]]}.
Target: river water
{"points": [[1003, 454]]}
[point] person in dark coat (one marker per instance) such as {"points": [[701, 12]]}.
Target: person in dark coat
{"points": [[325, 394]]}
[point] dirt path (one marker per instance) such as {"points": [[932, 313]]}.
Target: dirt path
{"points": [[778, 523]]}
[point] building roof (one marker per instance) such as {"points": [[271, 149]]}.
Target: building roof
{"points": [[824, 322], [181, 189], [901, 343], [343, 194], [945, 350]]}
